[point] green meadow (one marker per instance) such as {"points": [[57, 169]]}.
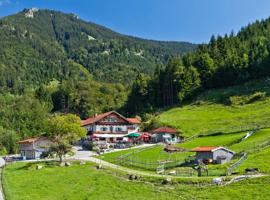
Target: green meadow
{"points": [[84, 182], [213, 111]]}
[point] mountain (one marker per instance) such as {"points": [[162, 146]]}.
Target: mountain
{"points": [[40, 45]]}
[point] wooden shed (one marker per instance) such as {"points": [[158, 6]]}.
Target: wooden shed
{"points": [[213, 154]]}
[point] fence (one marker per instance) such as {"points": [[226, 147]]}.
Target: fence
{"points": [[235, 129], [235, 165], [259, 147]]}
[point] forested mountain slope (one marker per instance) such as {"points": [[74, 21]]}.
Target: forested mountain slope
{"points": [[39, 45], [233, 59]]}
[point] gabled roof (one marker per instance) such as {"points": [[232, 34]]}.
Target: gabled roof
{"points": [[134, 120], [210, 149], [164, 130], [94, 119], [31, 140]]}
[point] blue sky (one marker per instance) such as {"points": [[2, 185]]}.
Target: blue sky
{"points": [[179, 20]]}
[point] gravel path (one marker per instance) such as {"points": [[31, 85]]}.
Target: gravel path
{"points": [[88, 156]]}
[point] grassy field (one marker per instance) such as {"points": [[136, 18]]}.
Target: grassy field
{"points": [[217, 140], [147, 159], [211, 113], [23, 182], [211, 118], [232, 141]]}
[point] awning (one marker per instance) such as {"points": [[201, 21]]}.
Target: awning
{"points": [[108, 135], [133, 135], [145, 135]]}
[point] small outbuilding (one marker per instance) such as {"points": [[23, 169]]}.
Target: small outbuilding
{"points": [[32, 148], [165, 134], [213, 154]]}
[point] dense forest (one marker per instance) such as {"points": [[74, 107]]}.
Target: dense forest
{"points": [[51, 62], [229, 60], [38, 46]]}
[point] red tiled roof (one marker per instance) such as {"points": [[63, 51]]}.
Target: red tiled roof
{"points": [[134, 120], [31, 140], [96, 118], [164, 130], [205, 149]]}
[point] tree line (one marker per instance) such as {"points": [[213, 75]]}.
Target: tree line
{"points": [[225, 61]]}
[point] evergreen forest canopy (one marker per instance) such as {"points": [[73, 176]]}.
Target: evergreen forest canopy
{"points": [[38, 46], [230, 60]]}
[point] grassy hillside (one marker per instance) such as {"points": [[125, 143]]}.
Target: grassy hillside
{"points": [[222, 110], [85, 182], [148, 159]]}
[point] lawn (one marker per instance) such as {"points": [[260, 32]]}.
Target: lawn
{"points": [[216, 140], [148, 158], [211, 117], [210, 112], [23, 182], [256, 139]]}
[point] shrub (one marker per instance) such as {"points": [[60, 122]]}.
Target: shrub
{"points": [[88, 145], [247, 99]]}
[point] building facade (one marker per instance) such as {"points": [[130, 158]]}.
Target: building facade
{"points": [[165, 135], [32, 148], [210, 154], [110, 126]]}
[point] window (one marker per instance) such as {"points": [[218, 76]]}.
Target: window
{"points": [[119, 129], [103, 128]]}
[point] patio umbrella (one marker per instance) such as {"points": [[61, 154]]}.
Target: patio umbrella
{"points": [[133, 135]]}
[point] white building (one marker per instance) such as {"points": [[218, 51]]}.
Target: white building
{"points": [[110, 126], [32, 148]]}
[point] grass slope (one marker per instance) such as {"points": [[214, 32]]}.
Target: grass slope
{"points": [[22, 182], [211, 112], [232, 141]]}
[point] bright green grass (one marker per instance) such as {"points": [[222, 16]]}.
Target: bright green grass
{"points": [[259, 160], [232, 141], [147, 159], [256, 139], [254, 189], [150, 155], [217, 140], [79, 182], [207, 118], [209, 113], [82, 182]]}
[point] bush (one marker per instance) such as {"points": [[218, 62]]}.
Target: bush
{"points": [[247, 99], [88, 145]]}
